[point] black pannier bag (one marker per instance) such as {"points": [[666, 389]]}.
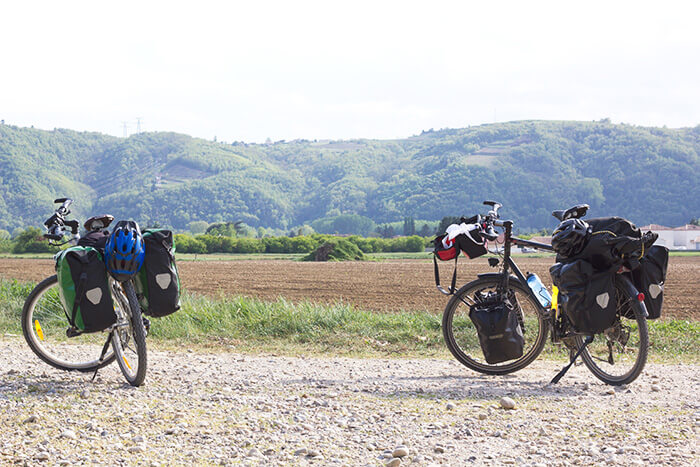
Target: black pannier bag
{"points": [[498, 326], [586, 297], [158, 283], [649, 279], [84, 289]]}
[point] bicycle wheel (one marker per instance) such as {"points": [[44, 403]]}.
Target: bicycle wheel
{"points": [[461, 336], [44, 326], [129, 337], [617, 355]]}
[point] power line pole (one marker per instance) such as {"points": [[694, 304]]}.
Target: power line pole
{"points": [[138, 124], [125, 126]]}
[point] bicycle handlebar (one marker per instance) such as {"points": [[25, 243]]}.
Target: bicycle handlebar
{"points": [[57, 225]]}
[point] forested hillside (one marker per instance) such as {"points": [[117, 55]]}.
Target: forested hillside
{"points": [[532, 167]]}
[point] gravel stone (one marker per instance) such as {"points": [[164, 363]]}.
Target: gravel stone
{"points": [[400, 451], [224, 408], [507, 403]]}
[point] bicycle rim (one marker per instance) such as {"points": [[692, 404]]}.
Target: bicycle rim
{"points": [[129, 337], [463, 341], [617, 355], [44, 326]]}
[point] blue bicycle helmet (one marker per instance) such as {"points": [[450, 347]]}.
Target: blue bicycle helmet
{"points": [[124, 251]]}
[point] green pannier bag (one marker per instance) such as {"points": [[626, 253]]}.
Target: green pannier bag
{"points": [[158, 283], [84, 289]]}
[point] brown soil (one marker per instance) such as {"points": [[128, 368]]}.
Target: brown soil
{"points": [[381, 286]]}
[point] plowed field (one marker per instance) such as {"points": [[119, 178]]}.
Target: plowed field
{"points": [[381, 286]]}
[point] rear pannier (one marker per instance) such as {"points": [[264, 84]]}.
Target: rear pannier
{"points": [[498, 326], [586, 297], [84, 289], [158, 283], [649, 279]]}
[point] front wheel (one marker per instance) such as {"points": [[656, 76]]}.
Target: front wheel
{"points": [[129, 336], [44, 325], [461, 335], [617, 355]]}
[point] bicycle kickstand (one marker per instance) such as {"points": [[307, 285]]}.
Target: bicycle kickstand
{"points": [[563, 371], [102, 355]]}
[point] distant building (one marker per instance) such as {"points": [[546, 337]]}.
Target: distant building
{"points": [[684, 237]]}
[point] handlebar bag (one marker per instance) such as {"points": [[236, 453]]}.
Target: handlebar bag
{"points": [[84, 289], [498, 327], [649, 279], [472, 244], [586, 297], [158, 282], [443, 249]]}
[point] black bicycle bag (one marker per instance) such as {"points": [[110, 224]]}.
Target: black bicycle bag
{"points": [[498, 327], [158, 282], [649, 278], [586, 297], [84, 289]]}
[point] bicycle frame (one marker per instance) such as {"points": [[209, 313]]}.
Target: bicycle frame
{"points": [[508, 262]]}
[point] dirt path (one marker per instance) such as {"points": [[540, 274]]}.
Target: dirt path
{"points": [[380, 286], [222, 409]]}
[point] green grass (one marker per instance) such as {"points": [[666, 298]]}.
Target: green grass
{"points": [[250, 325]]}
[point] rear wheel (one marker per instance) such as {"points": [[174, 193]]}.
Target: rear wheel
{"points": [[44, 325], [461, 336], [617, 355], [129, 337]]}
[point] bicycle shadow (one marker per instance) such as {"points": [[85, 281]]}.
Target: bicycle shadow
{"points": [[18, 385], [448, 387]]}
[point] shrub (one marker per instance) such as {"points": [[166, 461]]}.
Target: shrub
{"points": [[335, 249]]}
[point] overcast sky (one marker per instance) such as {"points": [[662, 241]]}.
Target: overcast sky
{"points": [[246, 71]]}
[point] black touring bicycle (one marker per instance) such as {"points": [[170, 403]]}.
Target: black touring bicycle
{"points": [[606, 284]]}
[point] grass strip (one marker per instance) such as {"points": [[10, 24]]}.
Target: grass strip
{"points": [[252, 325]]}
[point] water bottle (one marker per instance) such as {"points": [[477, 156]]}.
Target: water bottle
{"points": [[539, 289]]}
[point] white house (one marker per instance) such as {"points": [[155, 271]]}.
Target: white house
{"points": [[685, 237]]}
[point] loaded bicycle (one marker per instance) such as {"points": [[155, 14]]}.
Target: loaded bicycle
{"points": [[607, 282], [86, 318]]}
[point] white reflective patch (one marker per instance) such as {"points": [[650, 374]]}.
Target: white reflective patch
{"points": [[163, 280], [656, 289], [94, 295], [603, 300]]}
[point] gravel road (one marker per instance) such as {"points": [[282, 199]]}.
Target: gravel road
{"points": [[225, 408]]}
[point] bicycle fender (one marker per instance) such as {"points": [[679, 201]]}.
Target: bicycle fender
{"points": [[497, 275]]}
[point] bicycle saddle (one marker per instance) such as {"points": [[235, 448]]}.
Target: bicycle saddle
{"points": [[575, 212], [96, 223]]}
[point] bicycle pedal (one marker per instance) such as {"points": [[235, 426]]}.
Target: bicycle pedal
{"points": [[146, 324]]}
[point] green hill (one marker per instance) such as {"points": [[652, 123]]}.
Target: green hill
{"points": [[532, 167]]}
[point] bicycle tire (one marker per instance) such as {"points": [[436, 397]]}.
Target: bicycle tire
{"points": [[44, 325], [129, 338], [463, 343], [627, 305]]}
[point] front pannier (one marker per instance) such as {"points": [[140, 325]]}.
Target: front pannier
{"points": [[649, 279], [158, 284], [84, 289], [498, 326], [586, 297]]}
